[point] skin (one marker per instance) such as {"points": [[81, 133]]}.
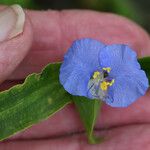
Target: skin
{"points": [[46, 37]]}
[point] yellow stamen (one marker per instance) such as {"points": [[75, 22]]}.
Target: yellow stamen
{"points": [[112, 82], [108, 69], [104, 85], [96, 74]]}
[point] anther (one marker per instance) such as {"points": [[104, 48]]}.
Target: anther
{"points": [[108, 69], [104, 85], [96, 74]]}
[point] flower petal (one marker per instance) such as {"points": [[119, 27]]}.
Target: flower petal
{"points": [[119, 58], [127, 89], [80, 62]]}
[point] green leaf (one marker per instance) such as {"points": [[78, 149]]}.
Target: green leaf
{"points": [[39, 97], [88, 110], [24, 3], [145, 65]]}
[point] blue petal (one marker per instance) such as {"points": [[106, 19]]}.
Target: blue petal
{"points": [[120, 58], [130, 81], [127, 89], [80, 62]]}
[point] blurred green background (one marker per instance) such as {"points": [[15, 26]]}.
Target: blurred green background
{"points": [[137, 10]]}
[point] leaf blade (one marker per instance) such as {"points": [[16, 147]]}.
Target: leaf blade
{"points": [[145, 65], [88, 110], [35, 100]]}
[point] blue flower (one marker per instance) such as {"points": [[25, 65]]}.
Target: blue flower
{"points": [[110, 73]]}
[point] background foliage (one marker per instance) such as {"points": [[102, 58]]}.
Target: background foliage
{"points": [[137, 10]]}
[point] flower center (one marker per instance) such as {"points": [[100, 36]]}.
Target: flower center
{"points": [[100, 82]]}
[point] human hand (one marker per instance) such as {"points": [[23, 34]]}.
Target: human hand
{"points": [[46, 37]]}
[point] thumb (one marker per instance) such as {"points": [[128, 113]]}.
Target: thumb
{"points": [[15, 39]]}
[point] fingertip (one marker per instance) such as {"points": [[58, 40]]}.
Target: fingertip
{"points": [[15, 47]]}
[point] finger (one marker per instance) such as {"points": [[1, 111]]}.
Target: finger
{"points": [[9, 83], [123, 138], [15, 39], [54, 32]]}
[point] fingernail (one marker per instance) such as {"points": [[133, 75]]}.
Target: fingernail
{"points": [[11, 22]]}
